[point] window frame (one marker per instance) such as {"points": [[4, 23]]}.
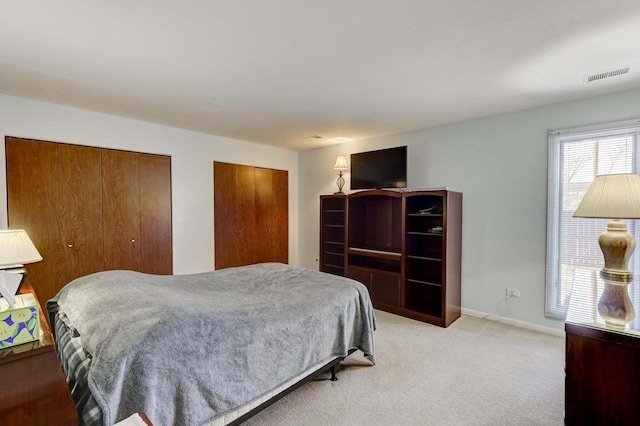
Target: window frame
{"points": [[556, 140]]}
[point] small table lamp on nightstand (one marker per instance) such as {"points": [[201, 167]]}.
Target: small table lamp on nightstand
{"points": [[614, 197], [16, 249]]}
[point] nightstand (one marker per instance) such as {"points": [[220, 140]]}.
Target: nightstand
{"points": [[33, 390], [602, 364]]}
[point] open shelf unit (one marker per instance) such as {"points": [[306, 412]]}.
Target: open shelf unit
{"points": [[424, 248], [333, 220], [405, 247]]}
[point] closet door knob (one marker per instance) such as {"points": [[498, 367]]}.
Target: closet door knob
{"points": [[70, 245], [133, 240]]}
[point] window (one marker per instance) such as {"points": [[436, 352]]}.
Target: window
{"points": [[576, 157]]}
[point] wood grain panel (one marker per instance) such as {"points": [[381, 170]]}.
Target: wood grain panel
{"points": [[38, 395], [245, 216], [55, 192], [156, 255], [280, 226], [121, 210], [80, 211], [601, 386], [264, 217], [224, 194], [32, 198], [362, 276], [250, 215]]}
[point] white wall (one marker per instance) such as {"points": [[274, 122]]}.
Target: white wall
{"points": [[499, 163], [192, 156]]}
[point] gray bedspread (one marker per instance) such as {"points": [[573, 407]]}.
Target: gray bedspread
{"points": [[186, 349]]}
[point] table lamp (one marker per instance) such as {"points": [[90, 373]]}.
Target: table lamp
{"points": [[614, 197], [341, 166], [16, 249]]}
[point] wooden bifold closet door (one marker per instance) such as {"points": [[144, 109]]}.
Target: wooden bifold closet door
{"points": [[250, 215], [136, 199], [89, 209]]}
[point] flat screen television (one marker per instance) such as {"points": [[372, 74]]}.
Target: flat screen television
{"points": [[384, 168]]}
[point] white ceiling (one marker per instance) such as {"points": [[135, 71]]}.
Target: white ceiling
{"points": [[279, 71]]}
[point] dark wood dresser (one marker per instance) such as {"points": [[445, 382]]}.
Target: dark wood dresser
{"points": [[602, 383], [33, 390]]}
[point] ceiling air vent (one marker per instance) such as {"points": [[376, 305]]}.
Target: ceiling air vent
{"points": [[604, 75]]}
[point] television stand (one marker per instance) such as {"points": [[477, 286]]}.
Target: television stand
{"points": [[404, 246]]}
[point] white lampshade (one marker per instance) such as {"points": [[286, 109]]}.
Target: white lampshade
{"points": [[612, 197], [16, 248], [341, 163]]}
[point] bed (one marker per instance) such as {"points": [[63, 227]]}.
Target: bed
{"points": [[203, 349]]}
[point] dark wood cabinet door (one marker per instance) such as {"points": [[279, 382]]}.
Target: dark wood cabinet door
{"points": [[601, 383], [246, 244], [80, 211], [32, 198], [272, 211], [383, 288], [156, 255], [224, 194], [362, 276], [121, 210], [264, 217], [280, 220]]}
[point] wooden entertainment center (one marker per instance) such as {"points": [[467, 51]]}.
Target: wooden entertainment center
{"points": [[405, 246]]}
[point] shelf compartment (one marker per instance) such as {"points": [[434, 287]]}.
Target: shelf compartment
{"points": [[425, 245], [383, 254], [424, 224], [333, 204], [333, 233], [333, 246], [423, 298], [375, 263], [375, 222], [410, 280], [424, 270], [427, 201], [333, 217], [335, 259]]}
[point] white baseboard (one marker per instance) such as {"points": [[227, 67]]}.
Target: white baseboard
{"points": [[513, 322]]}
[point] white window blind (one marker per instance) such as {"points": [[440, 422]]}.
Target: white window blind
{"points": [[576, 157]]}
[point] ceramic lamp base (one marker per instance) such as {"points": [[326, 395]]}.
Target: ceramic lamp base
{"points": [[614, 305], [617, 245]]}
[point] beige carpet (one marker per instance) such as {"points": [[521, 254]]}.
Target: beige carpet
{"points": [[476, 372]]}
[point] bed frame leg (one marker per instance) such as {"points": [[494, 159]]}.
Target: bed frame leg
{"points": [[334, 369]]}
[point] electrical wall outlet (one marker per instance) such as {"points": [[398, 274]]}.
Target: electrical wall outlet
{"points": [[512, 292]]}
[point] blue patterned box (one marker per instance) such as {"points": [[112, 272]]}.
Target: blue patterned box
{"points": [[20, 324]]}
